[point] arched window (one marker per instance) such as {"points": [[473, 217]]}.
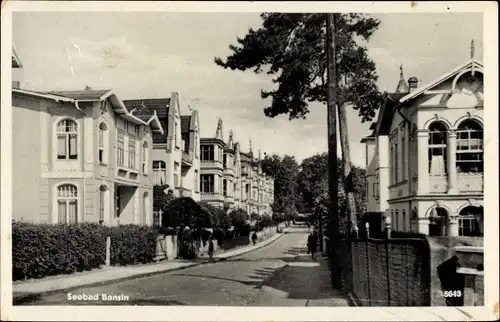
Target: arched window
{"points": [[103, 143], [145, 157], [470, 221], [437, 148], [159, 173], [438, 222], [470, 147], [67, 134], [67, 204]]}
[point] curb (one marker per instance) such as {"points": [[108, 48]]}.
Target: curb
{"points": [[23, 298], [256, 247]]}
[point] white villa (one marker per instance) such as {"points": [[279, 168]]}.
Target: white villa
{"points": [[424, 158]]}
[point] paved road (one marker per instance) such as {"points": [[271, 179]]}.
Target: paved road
{"points": [[258, 278]]}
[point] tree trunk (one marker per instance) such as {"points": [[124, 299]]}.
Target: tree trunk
{"points": [[348, 181], [333, 223]]}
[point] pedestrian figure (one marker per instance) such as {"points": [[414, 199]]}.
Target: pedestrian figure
{"points": [[254, 238], [211, 248], [312, 244]]}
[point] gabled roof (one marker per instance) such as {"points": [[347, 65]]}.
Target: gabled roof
{"points": [[85, 95], [441, 79], [160, 105], [391, 100], [76, 97], [16, 62], [185, 123]]}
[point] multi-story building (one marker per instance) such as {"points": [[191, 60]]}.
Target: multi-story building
{"points": [[425, 155], [231, 178], [88, 158], [176, 153]]}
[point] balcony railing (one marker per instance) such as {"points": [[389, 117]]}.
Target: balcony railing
{"points": [[187, 159], [211, 164], [184, 192], [211, 196], [229, 171], [438, 184], [470, 182]]}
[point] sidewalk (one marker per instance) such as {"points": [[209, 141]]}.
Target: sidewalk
{"points": [[35, 287], [302, 282]]}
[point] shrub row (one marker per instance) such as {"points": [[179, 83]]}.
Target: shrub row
{"points": [[40, 250]]}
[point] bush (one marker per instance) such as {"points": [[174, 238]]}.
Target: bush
{"points": [[40, 250], [186, 212], [131, 244], [220, 218], [167, 231]]}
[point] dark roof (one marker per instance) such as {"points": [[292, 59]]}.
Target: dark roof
{"points": [[81, 95], [387, 110], [160, 105], [185, 123]]}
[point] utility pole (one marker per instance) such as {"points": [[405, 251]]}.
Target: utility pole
{"points": [[333, 222]]}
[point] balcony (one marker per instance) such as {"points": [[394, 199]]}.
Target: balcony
{"points": [[208, 196], [187, 159], [211, 164], [228, 171], [470, 182], [438, 184], [185, 192]]}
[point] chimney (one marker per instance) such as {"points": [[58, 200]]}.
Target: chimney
{"points": [[413, 83]]}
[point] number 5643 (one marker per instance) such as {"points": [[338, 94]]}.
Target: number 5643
{"points": [[456, 293]]}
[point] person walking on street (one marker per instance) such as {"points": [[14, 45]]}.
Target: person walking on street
{"points": [[312, 244], [254, 238], [211, 248]]}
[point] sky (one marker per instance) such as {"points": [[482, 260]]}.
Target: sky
{"points": [[152, 54]]}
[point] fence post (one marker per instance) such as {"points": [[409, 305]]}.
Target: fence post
{"points": [[388, 270], [388, 229], [108, 251], [367, 225]]}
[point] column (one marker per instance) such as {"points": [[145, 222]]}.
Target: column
{"points": [[452, 229], [423, 226], [451, 150], [423, 162], [45, 143]]}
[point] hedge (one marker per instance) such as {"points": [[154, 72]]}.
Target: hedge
{"points": [[40, 250]]}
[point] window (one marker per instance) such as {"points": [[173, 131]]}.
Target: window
{"points": [[207, 153], [195, 142], [176, 175], [437, 149], [396, 163], [375, 189], [470, 147], [403, 219], [131, 153], [224, 188], [391, 163], [120, 148], [103, 143], [67, 133], [196, 187], [159, 173], [403, 158], [207, 183], [176, 137], [469, 223], [224, 162], [145, 158], [393, 220], [67, 202]]}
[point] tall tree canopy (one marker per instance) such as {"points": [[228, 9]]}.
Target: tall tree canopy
{"points": [[284, 171], [312, 185], [292, 47]]}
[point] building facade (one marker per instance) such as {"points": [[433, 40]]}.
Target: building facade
{"points": [[176, 153], [87, 160], [231, 178], [425, 155]]}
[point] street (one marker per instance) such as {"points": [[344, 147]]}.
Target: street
{"points": [[258, 278]]}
